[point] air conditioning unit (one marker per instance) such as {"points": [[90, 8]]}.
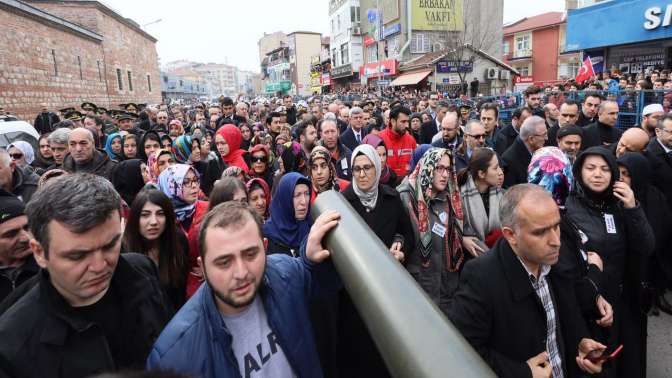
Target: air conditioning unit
{"points": [[491, 73], [357, 30], [505, 74]]}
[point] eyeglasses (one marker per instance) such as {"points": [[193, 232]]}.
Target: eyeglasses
{"points": [[442, 169], [16, 156], [364, 168], [477, 136], [189, 182], [258, 159]]}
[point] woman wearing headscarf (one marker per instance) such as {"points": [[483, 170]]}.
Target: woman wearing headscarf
{"points": [[417, 155], [227, 141], [187, 150], [22, 153], [44, 158], [551, 169], [432, 201], [415, 126], [636, 172], [290, 219], [156, 163], [114, 147], [259, 196], [323, 173], [180, 183], [480, 195], [382, 210], [261, 163], [387, 176], [606, 211], [128, 179]]}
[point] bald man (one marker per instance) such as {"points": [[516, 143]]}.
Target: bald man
{"points": [[603, 132], [83, 156], [632, 140]]}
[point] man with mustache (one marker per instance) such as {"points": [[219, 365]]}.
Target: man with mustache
{"points": [[16, 258], [400, 144], [90, 309]]}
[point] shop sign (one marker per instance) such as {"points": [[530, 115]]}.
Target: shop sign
{"points": [[391, 30], [444, 15], [377, 69], [524, 79], [326, 79], [342, 71], [454, 66]]}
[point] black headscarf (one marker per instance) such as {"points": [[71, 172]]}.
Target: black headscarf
{"points": [[128, 179], [141, 145], [640, 173], [606, 197]]}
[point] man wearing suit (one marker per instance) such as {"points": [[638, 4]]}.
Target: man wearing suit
{"points": [[509, 133], [353, 136], [659, 153], [522, 320], [429, 129], [604, 131], [533, 136]]}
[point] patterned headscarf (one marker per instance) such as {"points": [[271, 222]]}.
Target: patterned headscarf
{"points": [[26, 149], [368, 199], [551, 169], [171, 184], [182, 149], [420, 182], [153, 164], [320, 152]]}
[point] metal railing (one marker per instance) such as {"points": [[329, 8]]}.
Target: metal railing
{"points": [[413, 336]]}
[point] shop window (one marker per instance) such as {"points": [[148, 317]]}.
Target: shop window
{"points": [[420, 43], [393, 46], [372, 53]]}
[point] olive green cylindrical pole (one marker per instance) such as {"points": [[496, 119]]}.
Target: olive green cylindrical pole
{"points": [[411, 333]]}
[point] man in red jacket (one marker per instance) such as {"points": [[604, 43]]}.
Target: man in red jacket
{"points": [[400, 144]]}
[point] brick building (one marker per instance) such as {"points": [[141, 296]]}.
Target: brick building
{"points": [[63, 53], [535, 46]]}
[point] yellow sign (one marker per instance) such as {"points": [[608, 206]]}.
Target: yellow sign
{"points": [[437, 15]]}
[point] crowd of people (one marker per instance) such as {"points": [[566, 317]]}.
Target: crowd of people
{"points": [[180, 238]]}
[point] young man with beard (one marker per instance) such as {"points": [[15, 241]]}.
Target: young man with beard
{"points": [[650, 116], [90, 309], [307, 135], [400, 144], [250, 316]]}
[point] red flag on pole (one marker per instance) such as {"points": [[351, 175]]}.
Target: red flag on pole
{"points": [[586, 71]]}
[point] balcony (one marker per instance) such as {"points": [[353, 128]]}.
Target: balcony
{"points": [[522, 54]]}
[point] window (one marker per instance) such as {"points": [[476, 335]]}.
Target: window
{"points": [[372, 53], [130, 81], [568, 70], [333, 31], [420, 43], [524, 70], [100, 74], [120, 83], [79, 63], [53, 57], [345, 58], [334, 57], [338, 19], [523, 42], [354, 14], [181, 83], [505, 48], [392, 46], [149, 83]]}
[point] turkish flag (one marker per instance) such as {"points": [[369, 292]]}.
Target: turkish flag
{"points": [[586, 71]]}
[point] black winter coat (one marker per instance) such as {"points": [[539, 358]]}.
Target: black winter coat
{"points": [[505, 139], [515, 161], [497, 310], [100, 165], [661, 167], [599, 134], [56, 342]]}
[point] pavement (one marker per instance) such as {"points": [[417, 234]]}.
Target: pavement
{"points": [[659, 353]]}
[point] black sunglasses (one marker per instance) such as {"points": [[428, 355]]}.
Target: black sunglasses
{"points": [[258, 159]]}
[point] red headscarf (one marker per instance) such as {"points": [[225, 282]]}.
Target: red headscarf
{"points": [[233, 138]]}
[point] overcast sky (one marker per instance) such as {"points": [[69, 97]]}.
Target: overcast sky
{"points": [[228, 31]]}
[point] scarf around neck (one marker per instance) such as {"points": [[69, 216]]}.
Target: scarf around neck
{"points": [[171, 183], [367, 198]]}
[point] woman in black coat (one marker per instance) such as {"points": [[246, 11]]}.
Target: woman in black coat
{"points": [[606, 211], [381, 208]]}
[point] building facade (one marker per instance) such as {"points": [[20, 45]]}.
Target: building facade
{"points": [[535, 46], [345, 39], [267, 44], [641, 42], [303, 47], [181, 87], [64, 53]]}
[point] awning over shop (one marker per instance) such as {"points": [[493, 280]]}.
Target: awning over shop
{"points": [[412, 78]]}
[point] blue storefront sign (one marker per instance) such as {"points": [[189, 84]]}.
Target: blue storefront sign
{"points": [[391, 30], [618, 22], [454, 66]]}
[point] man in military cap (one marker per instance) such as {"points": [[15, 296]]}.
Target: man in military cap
{"points": [[73, 115], [89, 108], [465, 110], [125, 121]]}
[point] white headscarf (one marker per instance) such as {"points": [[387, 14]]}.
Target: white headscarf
{"points": [[26, 149], [369, 198]]}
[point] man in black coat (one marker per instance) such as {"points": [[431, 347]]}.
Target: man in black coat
{"points": [[604, 131], [353, 136], [45, 121], [515, 160], [589, 109], [509, 133], [507, 300], [429, 129], [90, 310], [85, 158], [659, 154]]}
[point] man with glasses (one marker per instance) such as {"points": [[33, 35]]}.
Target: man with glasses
{"points": [[161, 122], [516, 159], [448, 138], [567, 116], [650, 116], [474, 136]]}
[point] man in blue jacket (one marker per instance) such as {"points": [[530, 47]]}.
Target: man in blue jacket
{"points": [[251, 315]]}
